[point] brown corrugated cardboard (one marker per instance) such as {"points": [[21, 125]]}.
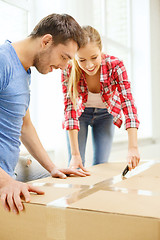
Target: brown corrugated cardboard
{"points": [[94, 208], [148, 180]]}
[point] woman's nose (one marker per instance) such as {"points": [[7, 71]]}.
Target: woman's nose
{"points": [[89, 64]]}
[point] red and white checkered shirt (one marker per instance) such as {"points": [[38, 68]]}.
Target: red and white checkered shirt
{"points": [[115, 93]]}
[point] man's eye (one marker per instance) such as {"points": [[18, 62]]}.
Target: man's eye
{"points": [[64, 58]]}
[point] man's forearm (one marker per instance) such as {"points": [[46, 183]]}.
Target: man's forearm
{"points": [[4, 178], [31, 141]]}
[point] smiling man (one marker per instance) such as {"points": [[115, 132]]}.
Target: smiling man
{"points": [[51, 44]]}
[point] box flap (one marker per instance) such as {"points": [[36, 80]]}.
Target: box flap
{"points": [[51, 194], [140, 183], [120, 203]]}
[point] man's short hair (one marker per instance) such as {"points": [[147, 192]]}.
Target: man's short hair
{"points": [[62, 27]]}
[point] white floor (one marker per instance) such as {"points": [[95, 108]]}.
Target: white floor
{"points": [[148, 151]]}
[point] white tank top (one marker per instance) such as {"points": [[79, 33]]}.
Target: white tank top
{"points": [[95, 100]]}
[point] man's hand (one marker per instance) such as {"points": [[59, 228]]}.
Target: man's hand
{"points": [[13, 191], [63, 173]]}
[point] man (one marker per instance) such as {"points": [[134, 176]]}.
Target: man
{"points": [[51, 44]]}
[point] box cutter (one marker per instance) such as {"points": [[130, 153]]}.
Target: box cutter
{"points": [[125, 171]]}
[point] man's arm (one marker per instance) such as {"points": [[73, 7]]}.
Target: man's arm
{"points": [[31, 141]]}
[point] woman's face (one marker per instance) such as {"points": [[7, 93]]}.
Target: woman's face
{"points": [[89, 58]]}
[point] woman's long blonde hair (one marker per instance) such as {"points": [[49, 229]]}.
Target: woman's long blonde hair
{"points": [[91, 35]]}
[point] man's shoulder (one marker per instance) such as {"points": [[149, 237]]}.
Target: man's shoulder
{"points": [[5, 64], [5, 68], [4, 56]]}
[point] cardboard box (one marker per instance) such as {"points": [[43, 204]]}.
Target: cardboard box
{"points": [[99, 207]]}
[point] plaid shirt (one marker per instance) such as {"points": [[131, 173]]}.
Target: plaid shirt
{"points": [[115, 93]]}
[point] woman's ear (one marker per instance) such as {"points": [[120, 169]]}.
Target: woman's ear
{"points": [[46, 41]]}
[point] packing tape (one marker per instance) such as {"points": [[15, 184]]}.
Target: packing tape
{"points": [[87, 190], [59, 185], [56, 224]]}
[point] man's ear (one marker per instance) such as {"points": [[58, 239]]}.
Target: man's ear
{"points": [[46, 41]]}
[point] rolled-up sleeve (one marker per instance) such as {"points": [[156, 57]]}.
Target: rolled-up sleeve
{"points": [[127, 102]]}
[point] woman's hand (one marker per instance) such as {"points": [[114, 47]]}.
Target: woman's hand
{"points": [[64, 172], [76, 163], [133, 157]]}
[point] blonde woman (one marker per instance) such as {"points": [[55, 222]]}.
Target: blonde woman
{"points": [[96, 92]]}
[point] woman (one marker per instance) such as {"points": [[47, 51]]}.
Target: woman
{"points": [[96, 90]]}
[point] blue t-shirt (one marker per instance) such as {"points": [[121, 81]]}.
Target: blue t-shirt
{"points": [[14, 102]]}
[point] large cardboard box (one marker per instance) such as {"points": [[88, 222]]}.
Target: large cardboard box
{"points": [[102, 206]]}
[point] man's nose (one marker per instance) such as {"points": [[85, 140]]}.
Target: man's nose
{"points": [[63, 66]]}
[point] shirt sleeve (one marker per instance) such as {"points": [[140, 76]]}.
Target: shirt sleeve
{"points": [[4, 72], [70, 114], [126, 98]]}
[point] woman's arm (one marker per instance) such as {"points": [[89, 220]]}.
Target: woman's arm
{"points": [[130, 113], [76, 161], [133, 157]]}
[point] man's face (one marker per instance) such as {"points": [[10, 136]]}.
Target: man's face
{"points": [[55, 57]]}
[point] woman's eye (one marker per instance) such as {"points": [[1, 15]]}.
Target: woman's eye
{"points": [[94, 57], [81, 60]]}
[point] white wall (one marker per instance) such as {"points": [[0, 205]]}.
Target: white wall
{"points": [[141, 75], [155, 65], [149, 148]]}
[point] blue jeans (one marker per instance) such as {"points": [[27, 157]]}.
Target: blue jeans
{"points": [[102, 126]]}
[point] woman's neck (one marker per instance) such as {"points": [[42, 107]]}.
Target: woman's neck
{"points": [[93, 82]]}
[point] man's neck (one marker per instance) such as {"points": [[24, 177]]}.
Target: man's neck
{"points": [[26, 50]]}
